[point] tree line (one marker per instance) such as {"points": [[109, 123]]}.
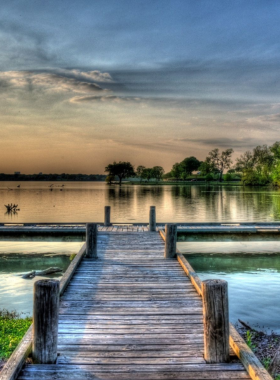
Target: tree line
{"points": [[259, 166], [123, 170]]}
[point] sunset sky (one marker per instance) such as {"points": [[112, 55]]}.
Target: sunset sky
{"points": [[84, 83]]}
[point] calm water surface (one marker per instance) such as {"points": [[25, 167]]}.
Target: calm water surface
{"points": [[85, 201], [252, 269], [18, 258]]}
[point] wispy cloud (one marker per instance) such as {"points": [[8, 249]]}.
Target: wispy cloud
{"points": [[61, 80], [109, 98]]}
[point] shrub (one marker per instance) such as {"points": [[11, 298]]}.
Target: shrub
{"points": [[12, 329]]}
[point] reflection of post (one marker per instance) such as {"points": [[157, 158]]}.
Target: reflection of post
{"points": [[91, 240], [45, 321], [216, 321], [107, 212], [170, 241], [152, 219]]}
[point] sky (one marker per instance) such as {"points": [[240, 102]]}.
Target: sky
{"points": [[85, 83]]}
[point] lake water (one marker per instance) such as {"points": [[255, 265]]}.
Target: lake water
{"points": [[252, 269], [85, 201], [18, 258]]}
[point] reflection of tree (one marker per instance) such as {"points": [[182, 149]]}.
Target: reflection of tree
{"points": [[153, 192], [11, 213], [195, 203]]}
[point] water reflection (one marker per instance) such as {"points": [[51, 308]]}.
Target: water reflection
{"points": [[17, 258], [252, 270], [85, 201]]}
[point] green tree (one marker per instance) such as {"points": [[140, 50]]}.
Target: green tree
{"points": [[120, 169], [188, 165], [220, 161], [176, 171], [228, 176], [148, 173], [158, 172], [206, 167], [140, 172], [257, 166], [209, 177], [109, 179]]}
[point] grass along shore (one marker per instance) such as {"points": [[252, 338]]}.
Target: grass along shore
{"points": [[12, 327]]}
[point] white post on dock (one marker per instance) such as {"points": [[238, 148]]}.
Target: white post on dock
{"points": [[170, 241], [45, 321], [152, 219], [216, 321], [91, 240], [107, 212]]}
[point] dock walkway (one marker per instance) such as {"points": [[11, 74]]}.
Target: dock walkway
{"points": [[131, 315]]}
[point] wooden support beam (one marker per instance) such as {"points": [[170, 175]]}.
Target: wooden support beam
{"points": [[107, 214], [170, 241], [216, 321], [152, 219], [45, 321], [91, 240]]}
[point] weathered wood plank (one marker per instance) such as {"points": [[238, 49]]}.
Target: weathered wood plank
{"points": [[138, 368], [250, 361], [135, 331], [153, 349], [85, 373], [131, 315], [71, 269], [83, 359]]}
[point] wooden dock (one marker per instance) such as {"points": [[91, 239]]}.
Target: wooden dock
{"points": [[131, 314], [198, 232]]}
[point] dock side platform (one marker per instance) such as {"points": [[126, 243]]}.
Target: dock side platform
{"points": [[131, 315]]}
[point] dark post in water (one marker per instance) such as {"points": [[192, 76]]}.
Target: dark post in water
{"points": [[152, 219], [170, 241], [107, 211], [91, 240], [216, 321], [45, 321]]}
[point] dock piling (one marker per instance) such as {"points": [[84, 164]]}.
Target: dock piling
{"points": [[152, 219], [170, 241], [91, 240], [216, 321], [107, 212], [45, 321]]}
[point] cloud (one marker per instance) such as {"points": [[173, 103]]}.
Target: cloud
{"points": [[109, 98], [224, 142], [94, 76], [58, 81], [273, 118]]}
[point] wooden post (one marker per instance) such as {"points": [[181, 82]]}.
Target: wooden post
{"points": [[152, 219], [107, 211], [45, 321], [216, 321], [91, 240], [170, 241]]}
